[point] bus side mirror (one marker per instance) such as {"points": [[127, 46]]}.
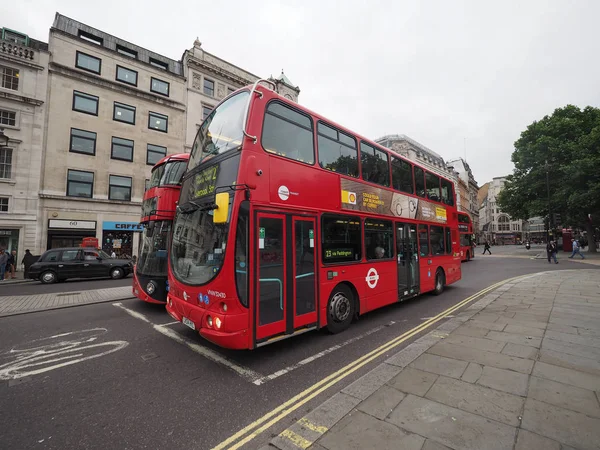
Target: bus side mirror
{"points": [[222, 201]]}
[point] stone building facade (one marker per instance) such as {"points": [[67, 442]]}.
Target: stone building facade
{"points": [[23, 108], [470, 203], [495, 225]]}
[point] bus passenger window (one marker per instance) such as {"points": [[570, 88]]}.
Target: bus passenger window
{"points": [[288, 133], [379, 239], [423, 240], [402, 176], [375, 165], [420, 181], [447, 193], [432, 183], [337, 151], [448, 241], [436, 235], [341, 238]]}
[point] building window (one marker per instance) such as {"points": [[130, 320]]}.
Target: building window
{"points": [[209, 87], [14, 36], [379, 239], [155, 154], [341, 238], [85, 103], [288, 133], [88, 62], [375, 165], [158, 122], [80, 184], [3, 204], [90, 37], [127, 75], [402, 176], [5, 162], [121, 149], [503, 223], [126, 51], [206, 110], [119, 188], [124, 113], [8, 118], [10, 78], [82, 142], [159, 86], [158, 64], [337, 151]]}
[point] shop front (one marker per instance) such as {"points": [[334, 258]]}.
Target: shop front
{"points": [[118, 237], [69, 233], [9, 239]]}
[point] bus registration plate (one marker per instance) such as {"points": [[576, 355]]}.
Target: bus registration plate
{"points": [[189, 323]]}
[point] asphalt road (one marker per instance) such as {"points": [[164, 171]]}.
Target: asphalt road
{"points": [[36, 287], [135, 384]]}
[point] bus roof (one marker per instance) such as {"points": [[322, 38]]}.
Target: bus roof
{"points": [[176, 157], [342, 128]]}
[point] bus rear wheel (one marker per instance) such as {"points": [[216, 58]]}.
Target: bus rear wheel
{"points": [[340, 309], [440, 282]]}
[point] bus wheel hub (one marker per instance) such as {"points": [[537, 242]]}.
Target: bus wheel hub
{"points": [[340, 307]]}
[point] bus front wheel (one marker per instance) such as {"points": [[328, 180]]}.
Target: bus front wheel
{"points": [[340, 309], [440, 281]]}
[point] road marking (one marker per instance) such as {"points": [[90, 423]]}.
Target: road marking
{"points": [[319, 355], [246, 373], [263, 423], [450, 316], [56, 351], [169, 324], [311, 426], [296, 439]]}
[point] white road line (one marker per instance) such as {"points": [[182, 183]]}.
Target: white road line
{"points": [[429, 318], [316, 356], [168, 324], [246, 373]]}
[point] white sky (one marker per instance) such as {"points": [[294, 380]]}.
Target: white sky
{"points": [[441, 72]]}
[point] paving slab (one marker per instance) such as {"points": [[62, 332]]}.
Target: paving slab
{"points": [[562, 328], [451, 426], [413, 381], [371, 381], [432, 445], [495, 405], [526, 440], [503, 336], [360, 431], [566, 376], [440, 365], [525, 331], [588, 365], [564, 395], [473, 331], [382, 402], [478, 343], [472, 373], [504, 380], [562, 425], [520, 351], [492, 359], [489, 325], [589, 341], [524, 323]]}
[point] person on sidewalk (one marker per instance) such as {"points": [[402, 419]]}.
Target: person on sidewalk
{"points": [[551, 250], [486, 248], [27, 261], [3, 262], [576, 249], [11, 265]]}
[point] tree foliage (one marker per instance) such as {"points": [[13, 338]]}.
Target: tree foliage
{"points": [[565, 147]]}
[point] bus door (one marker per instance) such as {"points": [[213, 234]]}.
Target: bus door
{"points": [[286, 287], [408, 260]]}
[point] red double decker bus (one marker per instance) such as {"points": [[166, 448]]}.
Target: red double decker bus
{"points": [[158, 210], [288, 222], [465, 229]]}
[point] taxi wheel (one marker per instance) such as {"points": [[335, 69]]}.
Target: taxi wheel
{"points": [[48, 277], [340, 309], [116, 273]]}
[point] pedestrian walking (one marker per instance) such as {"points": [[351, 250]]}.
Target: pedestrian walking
{"points": [[3, 262], [11, 265], [551, 250], [27, 261], [486, 248], [576, 249]]}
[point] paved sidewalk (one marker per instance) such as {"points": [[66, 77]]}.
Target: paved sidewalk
{"points": [[519, 369], [21, 304]]}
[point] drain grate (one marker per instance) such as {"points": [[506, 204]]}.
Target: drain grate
{"points": [[64, 294]]}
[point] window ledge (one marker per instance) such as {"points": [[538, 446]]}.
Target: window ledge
{"points": [[89, 200], [8, 181]]}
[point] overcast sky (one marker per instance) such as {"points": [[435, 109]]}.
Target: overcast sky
{"points": [[442, 72]]}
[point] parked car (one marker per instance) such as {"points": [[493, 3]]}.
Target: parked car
{"points": [[59, 264]]}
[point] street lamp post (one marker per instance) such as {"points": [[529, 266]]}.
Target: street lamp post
{"points": [[549, 232]]}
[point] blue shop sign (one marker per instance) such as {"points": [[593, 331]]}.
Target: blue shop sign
{"points": [[123, 226]]}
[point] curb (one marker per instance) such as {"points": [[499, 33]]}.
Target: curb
{"points": [[31, 311], [305, 432]]}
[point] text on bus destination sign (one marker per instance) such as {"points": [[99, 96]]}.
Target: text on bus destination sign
{"points": [[339, 253], [205, 181]]}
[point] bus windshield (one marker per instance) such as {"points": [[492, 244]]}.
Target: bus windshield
{"points": [[152, 259], [169, 173], [221, 131]]}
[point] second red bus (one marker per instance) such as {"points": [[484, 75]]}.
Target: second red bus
{"points": [[465, 229]]}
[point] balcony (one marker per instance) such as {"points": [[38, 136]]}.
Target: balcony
{"points": [[28, 53]]}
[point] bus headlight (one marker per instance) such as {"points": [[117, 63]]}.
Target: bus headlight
{"points": [[209, 321], [150, 287], [217, 322]]}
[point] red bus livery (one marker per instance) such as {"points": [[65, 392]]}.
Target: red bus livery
{"points": [[158, 210], [288, 222], [465, 229]]}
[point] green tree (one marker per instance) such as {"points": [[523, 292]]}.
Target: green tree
{"points": [[558, 156]]}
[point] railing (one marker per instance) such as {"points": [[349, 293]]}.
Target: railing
{"points": [[16, 50]]}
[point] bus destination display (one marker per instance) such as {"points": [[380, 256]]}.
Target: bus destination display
{"points": [[205, 182]]}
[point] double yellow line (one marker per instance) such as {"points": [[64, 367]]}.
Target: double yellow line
{"points": [[272, 417]]}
